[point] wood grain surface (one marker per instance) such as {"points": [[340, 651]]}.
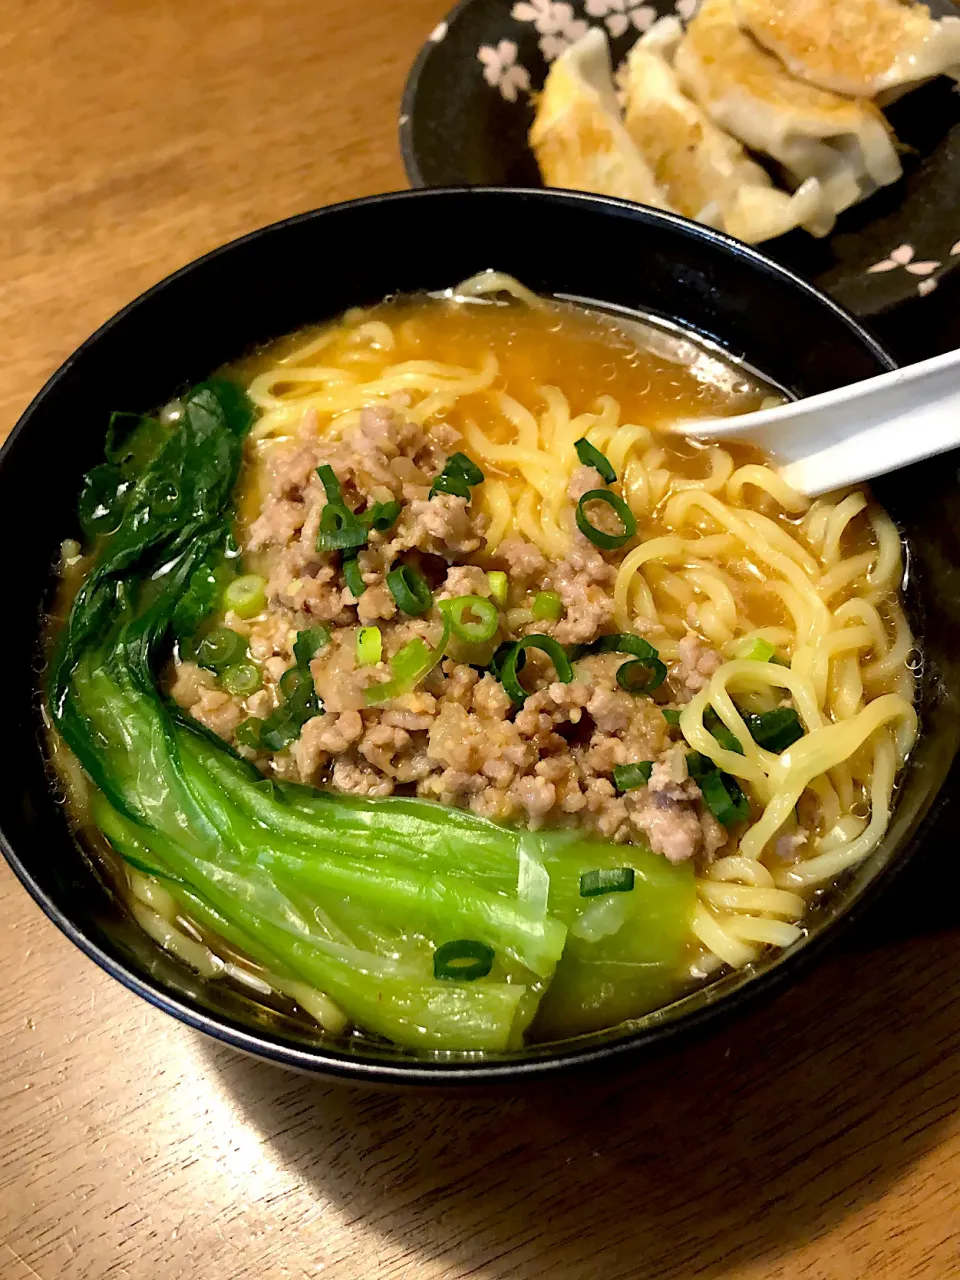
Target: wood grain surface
{"points": [[817, 1139]]}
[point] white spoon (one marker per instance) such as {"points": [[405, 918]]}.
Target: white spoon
{"points": [[854, 433]]}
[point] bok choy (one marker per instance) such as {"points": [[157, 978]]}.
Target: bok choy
{"points": [[353, 896]]}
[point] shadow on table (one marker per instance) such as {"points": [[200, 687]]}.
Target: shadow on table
{"points": [[740, 1147]]}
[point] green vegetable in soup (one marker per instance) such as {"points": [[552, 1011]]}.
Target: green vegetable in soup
{"points": [[375, 902], [615, 963]]}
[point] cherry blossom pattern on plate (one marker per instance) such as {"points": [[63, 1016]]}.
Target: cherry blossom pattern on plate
{"points": [[554, 22], [904, 257], [502, 71], [620, 15]]}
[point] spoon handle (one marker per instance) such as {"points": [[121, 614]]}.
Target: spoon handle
{"points": [[857, 432]]}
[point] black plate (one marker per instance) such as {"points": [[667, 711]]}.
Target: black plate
{"points": [[313, 267], [458, 128]]}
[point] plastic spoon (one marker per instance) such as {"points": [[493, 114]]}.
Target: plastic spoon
{"points": [[854, 433]]}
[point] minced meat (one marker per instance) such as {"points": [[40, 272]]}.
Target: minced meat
{"points": [[456, 737]]}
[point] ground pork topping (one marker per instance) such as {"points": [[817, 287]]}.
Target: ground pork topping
{"points": [[697, 663], [456, 736]]}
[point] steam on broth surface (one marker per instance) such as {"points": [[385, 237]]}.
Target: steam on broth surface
{"points": [[587, 710]]}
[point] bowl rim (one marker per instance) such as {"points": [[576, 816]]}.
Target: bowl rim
{"points": [[329, 1060]]}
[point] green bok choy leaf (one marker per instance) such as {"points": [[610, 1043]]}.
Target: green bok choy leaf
{"points": [[351, 895]]}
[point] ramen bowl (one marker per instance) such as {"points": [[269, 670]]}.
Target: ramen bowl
{"points": [[314, 267]]}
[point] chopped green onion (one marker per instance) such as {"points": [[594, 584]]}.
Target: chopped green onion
{"points": [[452, 484], [308, 644], [292, 679], [331, 485], [724, 797], [472, 618], [352, 575], [463, 960], [721, 792], [606, 880], [628, 776], [340, 529], [457, 477], [606, 541], [369, 646], [498, 586], [591, 456], [299, 695], [382, 516], [671, 715], [408, 666], [547, 606], [727, 740], [715, 726], [775, 730], [509, 663], [279, 729], [293, 682], [496, 662], [245, 596], [636, 677], [757, 650], [220, 648], [242, 678], [410, 590], [465, 467], [643, 675], [698, 765], [247, 734]]}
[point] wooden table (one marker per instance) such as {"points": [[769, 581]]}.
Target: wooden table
{"points": [[819, 1138]]}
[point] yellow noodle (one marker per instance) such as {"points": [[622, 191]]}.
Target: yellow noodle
{"points": [[769, 482], [493, 282], [774, 933], [892, 661], [711, 932], [771, 902], [837, 523], [885, 574], [721, 469]]}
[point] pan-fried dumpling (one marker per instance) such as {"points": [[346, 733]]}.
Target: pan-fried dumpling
{"points": [[578, 136], [704, 172], [859, 47], [844, 143]]}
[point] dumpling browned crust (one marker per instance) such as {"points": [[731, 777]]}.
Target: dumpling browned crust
{"points": [[858, 47], [578, 136], [704, 172], [845, 143]]}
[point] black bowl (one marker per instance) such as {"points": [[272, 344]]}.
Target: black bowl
{"points": [[315, 266], [467, 110]]}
